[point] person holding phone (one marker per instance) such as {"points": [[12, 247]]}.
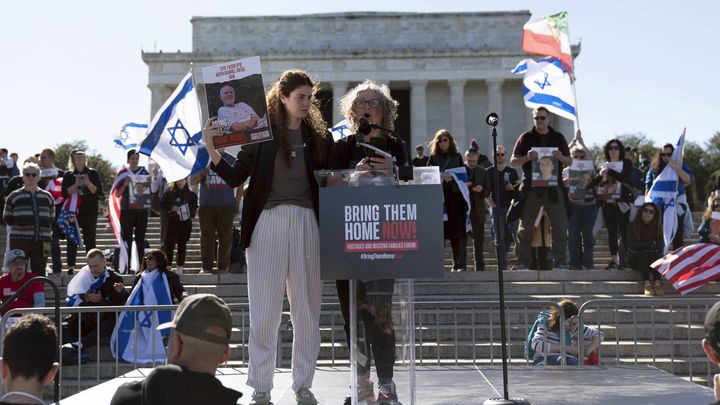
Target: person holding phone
{"points": [[371, 101]]}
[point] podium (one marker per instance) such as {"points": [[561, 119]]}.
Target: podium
{"points": [[380, 234]]}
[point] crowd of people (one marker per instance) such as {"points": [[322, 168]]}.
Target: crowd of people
{"points": [[272, 184]]}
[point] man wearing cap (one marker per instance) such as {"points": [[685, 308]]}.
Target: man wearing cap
{"points": [[33, 296], [198, 342], [420, 159], [711, 343]]}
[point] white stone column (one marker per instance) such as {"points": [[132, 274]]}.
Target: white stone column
{"points": [[338, 90], [157, 98], [494, 94], [457, 112], [418, 113]]}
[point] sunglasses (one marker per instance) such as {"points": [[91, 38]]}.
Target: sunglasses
{"points": [[444, 140], [614, 147], [579, 157], [148, 258], [666, 154], [541, 118], [648, 211], [28, 174], [500, 154]]}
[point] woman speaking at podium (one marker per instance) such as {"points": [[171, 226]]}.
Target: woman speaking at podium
{"points": [[279, 229], [364, 105]]}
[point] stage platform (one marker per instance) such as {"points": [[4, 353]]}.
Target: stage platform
{"points": [[456, 385]]}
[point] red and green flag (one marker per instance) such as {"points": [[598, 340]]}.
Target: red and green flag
{"points": [[549, 37]]}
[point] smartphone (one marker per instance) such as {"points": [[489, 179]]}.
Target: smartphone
{"points": [[379, 142]]}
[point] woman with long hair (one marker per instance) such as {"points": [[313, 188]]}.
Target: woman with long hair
{"points": [[84, 182], [178, 198], [646, 244], [546, 340], [614, 173], [685, 178], [709, 233], [444, 154], [373, 102], [279, 230], [155, 259]]}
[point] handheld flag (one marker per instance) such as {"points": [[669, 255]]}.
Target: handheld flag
{"points": [[549, 37], [174, 139], [460, 177], [130, 135], [690, 267], [340, 130], [663, 192], [547, 84], [114, 216], [83, 282], [67, 220]]}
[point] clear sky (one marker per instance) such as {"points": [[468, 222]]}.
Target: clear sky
{"points": [[72, 69]]}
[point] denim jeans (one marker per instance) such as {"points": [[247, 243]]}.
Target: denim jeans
{"points": [[580, 231], [554, 360], [510, 231]]}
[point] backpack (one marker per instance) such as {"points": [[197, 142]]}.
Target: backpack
{"points": [[541, 319]]}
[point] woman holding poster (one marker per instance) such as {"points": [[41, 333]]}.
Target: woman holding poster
{"points": [[372, 102], [279, 230]]}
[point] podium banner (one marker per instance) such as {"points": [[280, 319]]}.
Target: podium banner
{"points": [[381, 232]]}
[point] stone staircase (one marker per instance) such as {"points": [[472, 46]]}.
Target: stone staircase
{"points": [[452, 324]]}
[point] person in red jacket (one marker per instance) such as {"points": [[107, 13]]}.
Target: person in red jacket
{"points": [[33, 296]]}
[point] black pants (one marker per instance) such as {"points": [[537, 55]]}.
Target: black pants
{"points": [[459, 251], [615, 222], [88, 226], [35, 250], [678, 241], [641, 260], [177, 233], [478, 235], [88, 330], [375, 328], [133, 224]]}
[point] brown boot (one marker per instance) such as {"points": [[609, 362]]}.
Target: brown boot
{"points": [[649, 291], [659, 290]]}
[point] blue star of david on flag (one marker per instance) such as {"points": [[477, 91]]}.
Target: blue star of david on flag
{"points": [[173, 130], [544, 83], [146, 321]]}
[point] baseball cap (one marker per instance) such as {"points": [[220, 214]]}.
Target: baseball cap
{"points": [[196, 313], [712, 326], [14, 254]]}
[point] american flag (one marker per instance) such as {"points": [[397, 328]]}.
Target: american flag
{"points": [[114, 216], [690, 267], [54, 187], [67, 221]]}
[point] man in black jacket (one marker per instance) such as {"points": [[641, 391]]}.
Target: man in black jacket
{"points": [[94, 285], [479, 187], [198, 342]]}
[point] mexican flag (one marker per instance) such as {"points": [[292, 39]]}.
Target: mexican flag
{"points": [[549, 37]]}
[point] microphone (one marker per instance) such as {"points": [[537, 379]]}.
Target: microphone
{"points": [[492, 119], [364, 126]]}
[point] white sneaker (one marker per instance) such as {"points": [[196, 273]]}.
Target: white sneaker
{"points": [[179, 270]]}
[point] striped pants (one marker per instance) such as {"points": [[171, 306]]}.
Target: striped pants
{"points": [[284, 251]]}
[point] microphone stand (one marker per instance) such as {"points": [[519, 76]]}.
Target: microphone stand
{"points": [[499, 242]]}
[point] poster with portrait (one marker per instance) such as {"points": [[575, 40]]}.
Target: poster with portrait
{"points": [[139, 191], [235, 96], [609, 189], [581, 174], [544, 168]]}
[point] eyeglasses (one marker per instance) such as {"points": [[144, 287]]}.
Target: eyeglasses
{"points": [[648, 211], [444, 140], [540, 118], [666, 154], [578, 156], [500, 154], [148, 258], [374, 103], [614, 147], [29, 174]]}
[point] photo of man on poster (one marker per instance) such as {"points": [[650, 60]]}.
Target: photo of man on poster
{"points": [[237, 117]]}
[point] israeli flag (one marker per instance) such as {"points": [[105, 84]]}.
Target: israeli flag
{"points": [[136, 338], [461, 178], [174, 139], [81, 284], [546, 83], [664, 190], [340, 130], [130, 135]]}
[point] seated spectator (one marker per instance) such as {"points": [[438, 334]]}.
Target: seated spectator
{"points": [[135, 339], [179, 204], [33, 296], [706, 231], [28, 360], [30, 212], [711, 344], [198, 343], [646, 244], [546, 340], [94, 285]]}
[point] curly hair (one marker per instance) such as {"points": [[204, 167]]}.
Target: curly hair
{"points": [[606, 149], [346, 104], [435, 143], [288, 81], [569, 309]]}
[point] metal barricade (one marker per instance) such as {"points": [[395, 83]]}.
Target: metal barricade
{"points": [[649, 325]]}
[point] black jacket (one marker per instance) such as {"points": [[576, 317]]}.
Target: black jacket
{"points": [[185, 196], [345, 153], [175, 385], [257, 161], [89, 205], [110, 297], [176, 287]]}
